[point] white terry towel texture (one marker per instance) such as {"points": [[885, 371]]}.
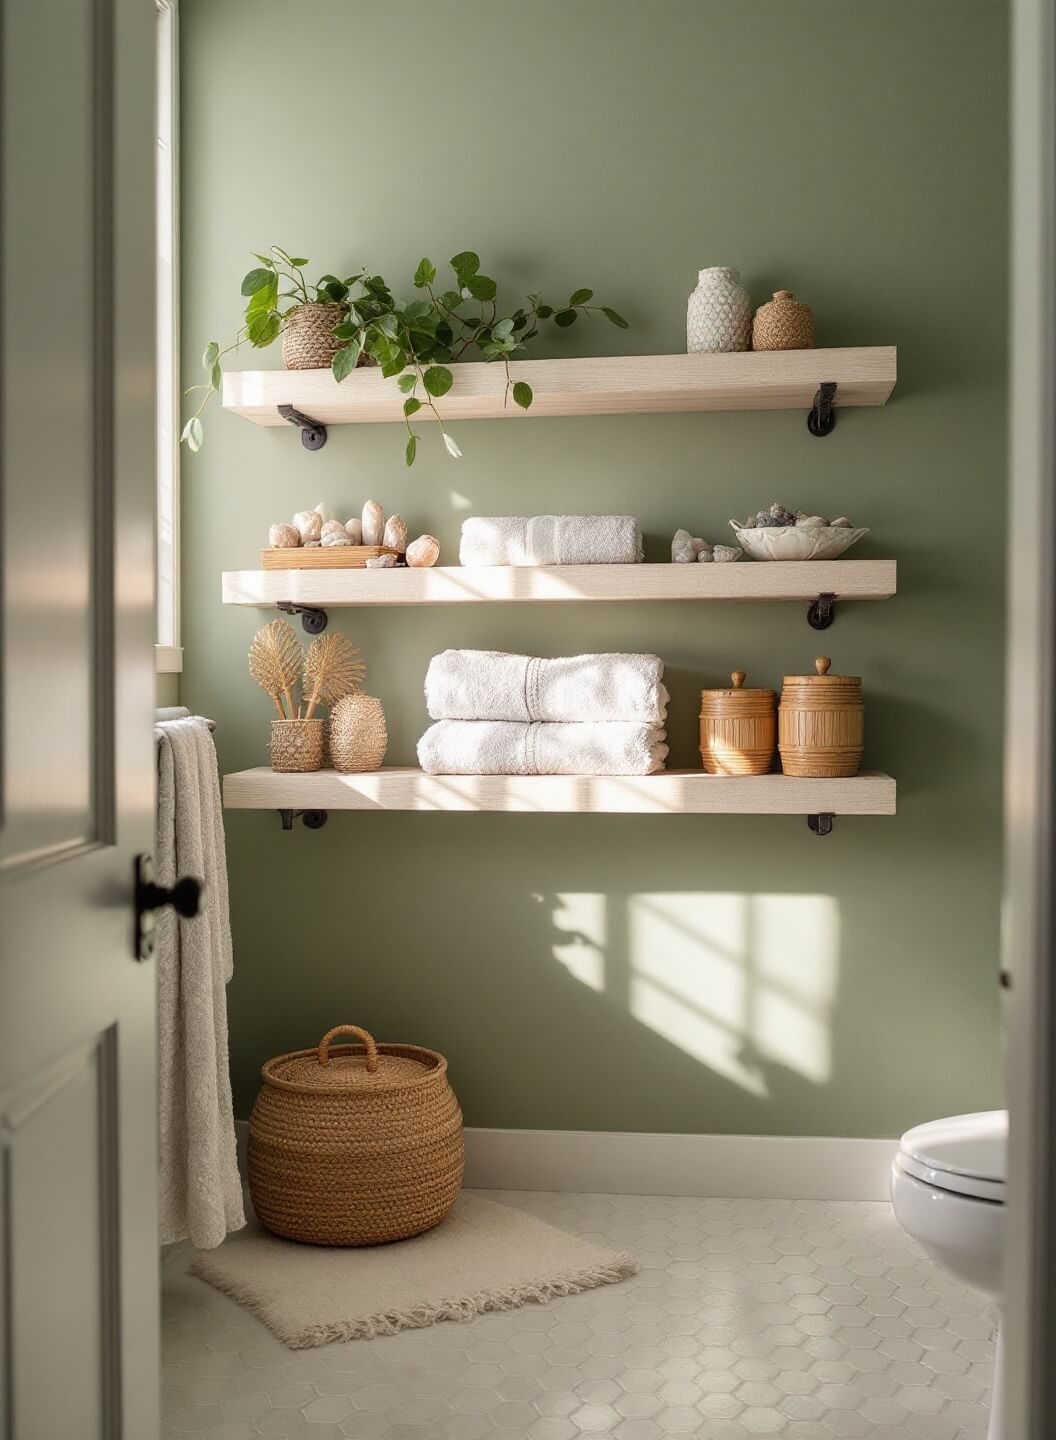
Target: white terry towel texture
{"points": [[491, 685], [510, 747], [201, 1193], [550, 540]]}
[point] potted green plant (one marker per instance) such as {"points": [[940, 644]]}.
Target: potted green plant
{"points": [[355, 321]]}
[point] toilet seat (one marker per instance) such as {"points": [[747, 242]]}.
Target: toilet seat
{"points": [[964, 1154]]}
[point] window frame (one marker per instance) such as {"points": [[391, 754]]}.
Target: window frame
{"points": [[168, 650]]}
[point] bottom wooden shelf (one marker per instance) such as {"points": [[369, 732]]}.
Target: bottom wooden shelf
{"points": [[672, 792]]}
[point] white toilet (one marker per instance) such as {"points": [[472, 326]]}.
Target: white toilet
{"points": [[948, 1192]]}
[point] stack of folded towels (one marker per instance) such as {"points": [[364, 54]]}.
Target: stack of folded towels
{"points": [[551, 540], [500, 714]]}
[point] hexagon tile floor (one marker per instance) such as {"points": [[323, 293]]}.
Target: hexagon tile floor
{"points": [[802, 1319]]}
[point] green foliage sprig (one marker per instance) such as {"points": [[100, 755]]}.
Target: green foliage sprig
{"points": [[413, 342]]}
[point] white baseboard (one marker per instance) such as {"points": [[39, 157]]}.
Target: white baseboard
{"points": [[740, 1167]]}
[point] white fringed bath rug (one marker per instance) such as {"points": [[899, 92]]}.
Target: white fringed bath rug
{"points": [[483, 1257]]}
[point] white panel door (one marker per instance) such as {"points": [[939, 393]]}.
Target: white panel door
{"points": [[78, 1230]]}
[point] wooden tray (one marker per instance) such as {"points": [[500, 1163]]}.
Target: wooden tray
{"points": [[322, 557]]}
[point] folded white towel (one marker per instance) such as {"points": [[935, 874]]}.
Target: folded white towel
{"points": [[490, 685], [551, 540], [508, 747]]}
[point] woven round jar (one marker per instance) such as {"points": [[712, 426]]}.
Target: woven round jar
{"points": [[358, 734], [784, 323], [307, 337], [821, 723], [719, 312], [356, 1144], [737, 729], [297, 744]]}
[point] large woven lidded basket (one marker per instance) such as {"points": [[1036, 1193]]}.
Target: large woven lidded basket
{"points": [[355, 1144], [821, 723], [738, 728]]}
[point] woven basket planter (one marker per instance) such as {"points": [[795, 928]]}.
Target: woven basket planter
{"points": [[784, 323], [358, 734], [297, 744], [355, 1144], [307, 336]]}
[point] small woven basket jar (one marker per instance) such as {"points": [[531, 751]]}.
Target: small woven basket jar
{"points": [[307, 336], [784, 323], [358, 734], [297, 744], [738, 728], [821, 723], [355, 1145]]}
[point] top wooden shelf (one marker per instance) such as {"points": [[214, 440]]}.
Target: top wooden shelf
{"points": [[610, 385]]}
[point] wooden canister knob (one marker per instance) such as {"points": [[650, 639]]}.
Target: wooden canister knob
{"points": [[821, 664], [738, 677]]}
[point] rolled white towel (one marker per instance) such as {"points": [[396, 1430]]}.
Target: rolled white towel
{"points": [[507, 747], [490, 685], [550, 540]]}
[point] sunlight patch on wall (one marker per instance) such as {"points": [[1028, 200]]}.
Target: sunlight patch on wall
{"points": [[460, 502], [581, 921]]}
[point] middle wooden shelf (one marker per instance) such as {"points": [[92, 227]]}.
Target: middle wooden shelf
{"points": [[455, 584]]}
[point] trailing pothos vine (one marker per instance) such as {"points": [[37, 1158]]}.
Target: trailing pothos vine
{"points": [[413, 342]]}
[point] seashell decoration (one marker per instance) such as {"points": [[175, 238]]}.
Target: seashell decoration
{"points": [[381, 562], [423, 552], [309, 525], [284, 537], [373, 523], [395, 534], [354, 530]]}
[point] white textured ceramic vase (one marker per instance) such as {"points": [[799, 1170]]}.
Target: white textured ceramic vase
{"points": [[719, 314]]}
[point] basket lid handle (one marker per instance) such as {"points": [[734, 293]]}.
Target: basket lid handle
{"points": [[368, 1041]]}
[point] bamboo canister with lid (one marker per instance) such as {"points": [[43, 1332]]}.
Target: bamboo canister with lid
{"points": [[737, 729], [821, 723]]}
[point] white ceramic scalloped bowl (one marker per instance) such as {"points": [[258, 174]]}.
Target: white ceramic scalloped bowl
{"points": [[796, 542]]}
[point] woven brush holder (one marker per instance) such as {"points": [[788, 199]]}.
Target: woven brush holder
{"points": [[821, 723], [358, 735], [785, 323], [355, 1145], [307, 336], [297, 744], [738, 728]]}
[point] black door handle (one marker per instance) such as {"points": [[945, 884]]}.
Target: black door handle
{"points": [[185, 897]]}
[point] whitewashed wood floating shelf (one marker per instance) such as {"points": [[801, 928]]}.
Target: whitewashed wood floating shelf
{"points": [[316, 591], [672, 792], [813, 380]]}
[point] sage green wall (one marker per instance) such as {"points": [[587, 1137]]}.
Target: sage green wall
{"points": [[733, 974]]}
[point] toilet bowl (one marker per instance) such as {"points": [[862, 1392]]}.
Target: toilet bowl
{"points": [[947, 1190]]}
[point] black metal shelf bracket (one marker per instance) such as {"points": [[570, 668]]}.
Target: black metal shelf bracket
{"points": [[820, 824], [312, 819], [313, 619], [820, 612], [821, 417], [313, 434]]}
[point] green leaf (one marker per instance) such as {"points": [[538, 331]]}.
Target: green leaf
{"points": [[451, 299], [565, 318], [216, 377], [522, 394], [615, 317], [502, 329], [265, 260], [256, 280], [411, 406], [544, 311], [345, 330], [210, 355], [412, 449], [481, 287], [465, 264], [424, 275], [263, 299], [388, 324], [452, 447], [438, 380], [344, 361], [335, 290], [416, 310], [395, 365], [193, 433], [580, 297], [407, 383], [298, 261], [263, 328]]}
